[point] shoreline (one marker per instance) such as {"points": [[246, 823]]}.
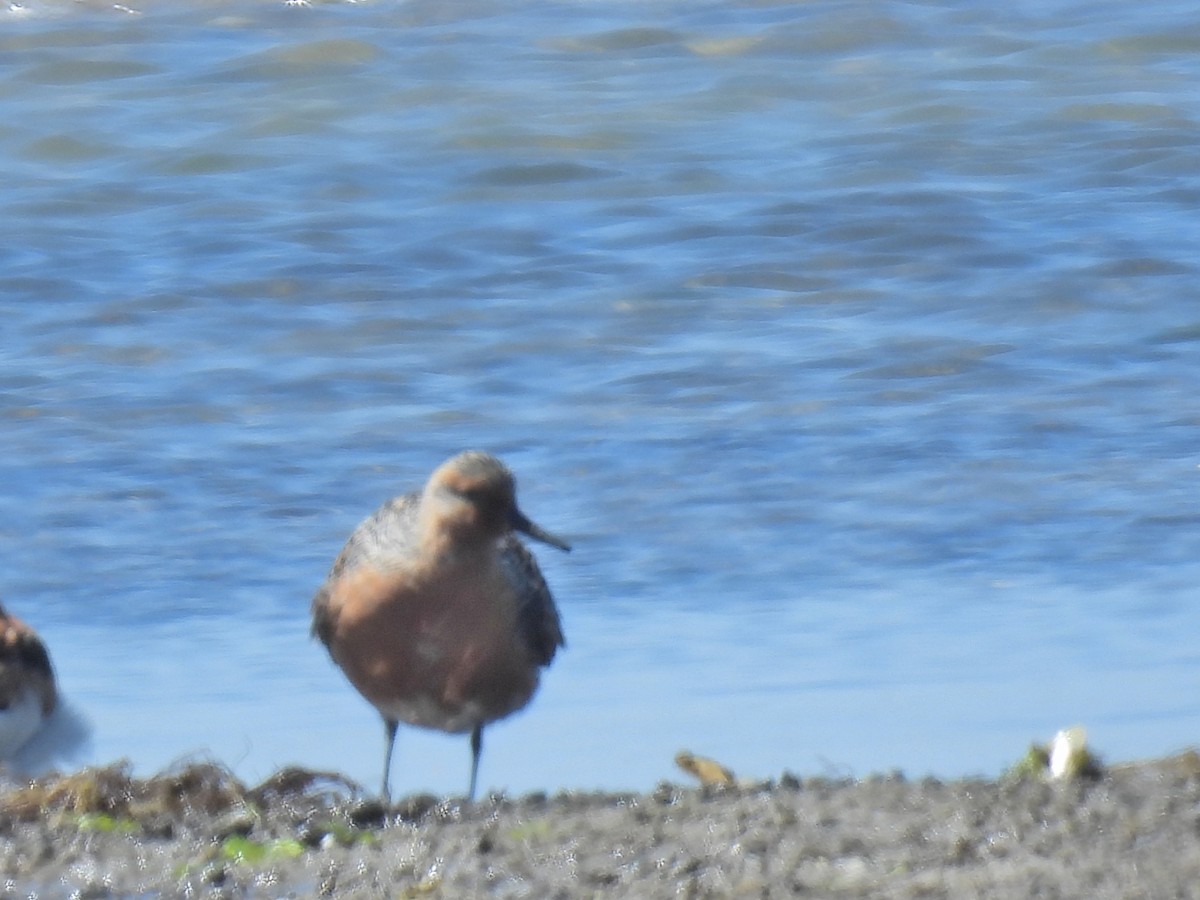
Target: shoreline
{"points": [[1129, 830]]}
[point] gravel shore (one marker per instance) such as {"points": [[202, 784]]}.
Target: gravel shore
{"points": [[1129, 831]]}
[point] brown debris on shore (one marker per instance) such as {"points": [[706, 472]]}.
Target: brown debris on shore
{"points": [[1132, 830]]}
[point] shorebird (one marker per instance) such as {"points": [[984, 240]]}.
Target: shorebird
{"points": [[436, 612], [28, 694]]}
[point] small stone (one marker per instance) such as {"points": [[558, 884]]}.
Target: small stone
{"points": [[665, 793], [369, 813], [415, 808]]}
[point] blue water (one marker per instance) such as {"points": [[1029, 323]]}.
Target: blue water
{"points": [[855, 347]]}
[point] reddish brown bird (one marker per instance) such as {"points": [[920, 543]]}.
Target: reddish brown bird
{"points": [[28, 693], [436, 612]]}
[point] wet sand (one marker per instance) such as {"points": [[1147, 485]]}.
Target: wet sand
{"points": [[1131, 832]]}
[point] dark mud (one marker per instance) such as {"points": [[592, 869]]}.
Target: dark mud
{"points": [[1128, 831]]}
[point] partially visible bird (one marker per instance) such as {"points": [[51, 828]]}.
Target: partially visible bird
{"points": [[28, 693], [436, 612]]}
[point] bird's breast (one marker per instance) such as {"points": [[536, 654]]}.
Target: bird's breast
{"points": [[436, 648]]}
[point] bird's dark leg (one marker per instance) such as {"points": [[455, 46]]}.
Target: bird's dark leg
{"points": [[389, 726], [476, 749]]}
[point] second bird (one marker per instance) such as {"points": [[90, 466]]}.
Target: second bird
{"points": [[436, 612]]}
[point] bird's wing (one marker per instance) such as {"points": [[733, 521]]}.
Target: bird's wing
{"points": [[537, 615]]}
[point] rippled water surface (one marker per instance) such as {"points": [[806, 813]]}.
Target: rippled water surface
{"points": [[853, 345]]}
